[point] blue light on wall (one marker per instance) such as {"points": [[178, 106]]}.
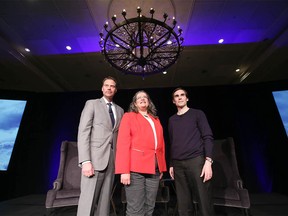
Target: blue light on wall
{"points": [[261, 167]]}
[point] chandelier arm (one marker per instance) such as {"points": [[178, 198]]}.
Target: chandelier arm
{"points": [[131, 66], [154, 49], [157, 69], [161, 58], [169, 51], [140, 38], [153, 30], [126, 65], [159, 63], [154, 66], [112, 38], [118, 53], [170, 30], [122, 59], [126, 30], [122, 68], [160, 39], [164, 57]]}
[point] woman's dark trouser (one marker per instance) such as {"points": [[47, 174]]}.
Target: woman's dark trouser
{"points": [[141, 194], [189, 184]]}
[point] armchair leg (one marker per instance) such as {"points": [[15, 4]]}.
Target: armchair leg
{"points": [[166, 209], [195, 209], [175, 211], [50, 211], [246, 212]]}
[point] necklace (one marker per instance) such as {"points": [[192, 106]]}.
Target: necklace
{"points": [[144, 114]]}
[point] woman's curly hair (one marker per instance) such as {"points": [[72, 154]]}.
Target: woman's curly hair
{"points": [[151, 109]]}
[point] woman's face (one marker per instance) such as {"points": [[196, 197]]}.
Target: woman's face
{"points": [[142, 101]]}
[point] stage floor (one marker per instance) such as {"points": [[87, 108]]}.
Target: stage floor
{"points": [[34, 205]]}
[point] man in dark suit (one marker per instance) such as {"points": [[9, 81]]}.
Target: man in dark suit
{"points": [[97, 134]]}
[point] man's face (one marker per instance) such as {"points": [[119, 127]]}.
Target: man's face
{"points": [[109, 89], [179, 98]]}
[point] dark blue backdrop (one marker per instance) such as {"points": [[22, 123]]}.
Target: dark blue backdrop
{"points": [[245, 112]]}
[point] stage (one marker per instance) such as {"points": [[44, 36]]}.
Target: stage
{"points": [[34, 205]]}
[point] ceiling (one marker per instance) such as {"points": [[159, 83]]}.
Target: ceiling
{"points": [[255, 37]]}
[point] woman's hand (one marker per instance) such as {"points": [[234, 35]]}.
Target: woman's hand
{"points": [[125, 179]]}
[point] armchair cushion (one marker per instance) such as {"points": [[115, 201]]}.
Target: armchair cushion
{"points": [[62, 194], [226, 193]]}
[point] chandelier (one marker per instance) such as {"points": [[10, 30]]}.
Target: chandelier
{"points": [[141, 45]]}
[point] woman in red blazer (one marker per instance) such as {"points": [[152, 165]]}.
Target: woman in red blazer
{"points": [[140, 155]]}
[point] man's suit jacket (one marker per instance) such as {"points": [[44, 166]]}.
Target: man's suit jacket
{"points": [[136, 145], [95, 133]]}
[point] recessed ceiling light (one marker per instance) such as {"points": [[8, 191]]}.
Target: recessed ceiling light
{"points": [[221, 40], [237, 70], [68, 47], [164, 72], [27, 50]]}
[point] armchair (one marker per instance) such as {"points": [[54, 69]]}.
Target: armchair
{"points": [[228, 189], [66, 188]]}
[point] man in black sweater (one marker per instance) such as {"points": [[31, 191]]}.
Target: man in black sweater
{"points": [[191, 141]]}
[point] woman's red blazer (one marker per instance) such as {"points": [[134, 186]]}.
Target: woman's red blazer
{"points": [[135, 149]]}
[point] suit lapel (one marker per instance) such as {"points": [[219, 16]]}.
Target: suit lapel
{"points": [[105, 110], [118, 113]]}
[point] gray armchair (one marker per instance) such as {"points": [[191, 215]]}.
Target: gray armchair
{"points": [[228, 189], [66, 188]]}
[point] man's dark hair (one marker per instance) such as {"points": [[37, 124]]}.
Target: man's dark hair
{"points": [[110, 78], [180, 88]]}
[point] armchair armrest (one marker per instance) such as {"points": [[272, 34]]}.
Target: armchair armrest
{"points": [[57, 184], [239, 184]]}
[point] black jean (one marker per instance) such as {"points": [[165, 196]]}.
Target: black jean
{"points": [[189, 186]]}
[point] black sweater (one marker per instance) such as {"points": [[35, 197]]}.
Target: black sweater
{"points": [[190, 135]]}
